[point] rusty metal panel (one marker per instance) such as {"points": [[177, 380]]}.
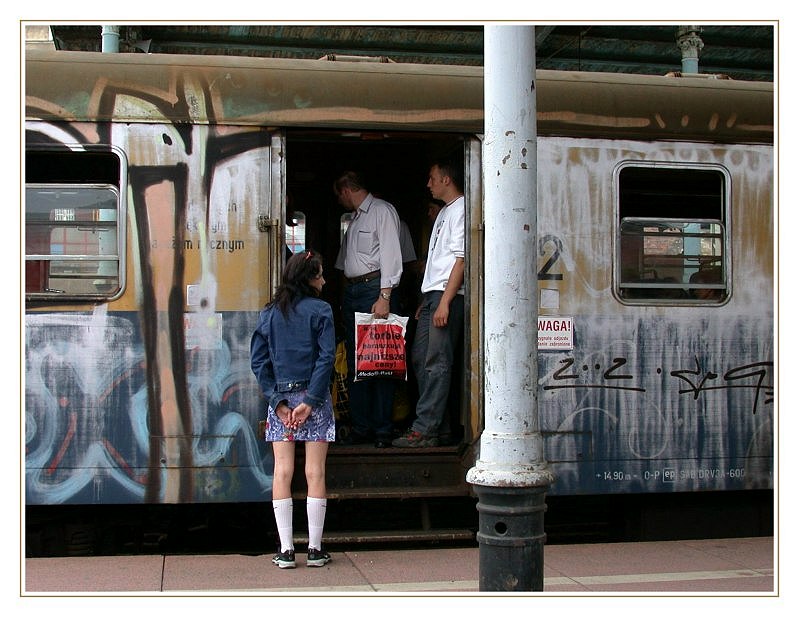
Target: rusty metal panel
{"points": [[647, 107], [250, 91], [268, 92]]}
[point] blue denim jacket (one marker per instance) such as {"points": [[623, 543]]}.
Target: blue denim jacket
{"points": [[295, 352]]}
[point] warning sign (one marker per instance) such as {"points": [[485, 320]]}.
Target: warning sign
{"points": [[555, 333]]}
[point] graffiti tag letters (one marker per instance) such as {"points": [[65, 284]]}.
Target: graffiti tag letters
{"points": [[703, 381], [616, 377], [609, 375]]}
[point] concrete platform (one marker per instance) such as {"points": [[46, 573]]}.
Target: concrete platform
{"points": [[725, 566]]}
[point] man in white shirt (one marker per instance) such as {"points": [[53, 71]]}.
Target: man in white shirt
{"points": [[440, 327], [371, 259]]}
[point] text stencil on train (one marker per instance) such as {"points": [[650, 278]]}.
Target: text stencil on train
{"points": [[380, 347]]}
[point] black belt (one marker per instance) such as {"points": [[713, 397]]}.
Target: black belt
{"points": [[369, 276]]}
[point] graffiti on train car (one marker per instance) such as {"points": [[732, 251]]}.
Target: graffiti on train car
{"points": [[120, 403], [698, 380], [88, 435], [135, 402], [665, 400], [649, 389]]}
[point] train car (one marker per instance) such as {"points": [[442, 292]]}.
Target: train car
{"points": [[161, 193]]}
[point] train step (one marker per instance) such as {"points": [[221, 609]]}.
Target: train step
{"points": [[391, 492], [378, 537], [391, 473]]}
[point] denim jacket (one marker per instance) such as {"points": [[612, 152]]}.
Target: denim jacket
{"points": [[295, 352]]}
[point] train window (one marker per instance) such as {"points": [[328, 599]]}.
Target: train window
{"points": [[74, 223], [71, 240], [295, 232], [344, 222], [672, 235]]}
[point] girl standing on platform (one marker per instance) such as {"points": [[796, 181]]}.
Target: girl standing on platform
{"points": [[292, 354]]}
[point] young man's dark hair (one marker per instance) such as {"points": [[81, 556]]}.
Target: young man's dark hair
{"points": [[452, 169]]}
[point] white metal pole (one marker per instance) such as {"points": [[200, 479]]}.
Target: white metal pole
{"points": [[511, 446], [510, 476]]}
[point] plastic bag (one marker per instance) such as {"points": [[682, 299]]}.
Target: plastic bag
{"points": [[380, 347]]}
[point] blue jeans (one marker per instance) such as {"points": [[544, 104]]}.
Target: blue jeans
{"points": [[433, 353], [371, 400]]}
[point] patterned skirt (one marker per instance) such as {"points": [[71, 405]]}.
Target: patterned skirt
{"points": [[320, 425]]}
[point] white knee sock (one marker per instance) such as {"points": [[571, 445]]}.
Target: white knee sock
{"points": [[316, 521], [284, 511]]}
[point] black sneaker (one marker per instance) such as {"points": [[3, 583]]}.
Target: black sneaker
{"points": [[353, 439], [317, 558], [284, 560]]}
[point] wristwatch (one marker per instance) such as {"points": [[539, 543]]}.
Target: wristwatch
{"points": [[385, 296]]}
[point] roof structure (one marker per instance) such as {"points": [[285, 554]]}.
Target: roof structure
{"points": [[745, 52]]}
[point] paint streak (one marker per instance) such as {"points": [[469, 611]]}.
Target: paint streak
{"points": [[73, 421]]}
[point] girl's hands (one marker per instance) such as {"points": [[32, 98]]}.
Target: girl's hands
{"points": [[293, 418], [284, 412], [299, 415]]}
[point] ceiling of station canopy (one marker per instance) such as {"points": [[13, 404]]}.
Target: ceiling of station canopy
{"points": [[745, 52]]}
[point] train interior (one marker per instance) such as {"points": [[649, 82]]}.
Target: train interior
{"points": [[395, 167]]}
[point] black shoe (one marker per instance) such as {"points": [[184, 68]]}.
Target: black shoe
{"points": [[317, 558], [284, 560], [383, 442], [353, 439]]}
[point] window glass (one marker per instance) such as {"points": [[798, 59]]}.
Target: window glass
{"points": [[72, 240], [672, 236], [345, 221], [295, 232]]}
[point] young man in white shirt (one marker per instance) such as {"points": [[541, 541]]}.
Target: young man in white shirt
{"points": [[441, 312]]}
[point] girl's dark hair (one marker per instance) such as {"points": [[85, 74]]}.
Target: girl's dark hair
{"points": [[297, 273]]}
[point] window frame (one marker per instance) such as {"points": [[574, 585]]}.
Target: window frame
{"points": [[119, 190], [724, 261]]}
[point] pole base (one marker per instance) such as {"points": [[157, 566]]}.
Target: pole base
{"points": [[511, 538]]}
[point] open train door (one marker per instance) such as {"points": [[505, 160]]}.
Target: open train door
{"points": [[271, 209], [235, 278]]}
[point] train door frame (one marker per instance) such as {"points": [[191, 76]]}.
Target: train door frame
{"points": [[273, 215], [470, 383], [472, 410]]}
